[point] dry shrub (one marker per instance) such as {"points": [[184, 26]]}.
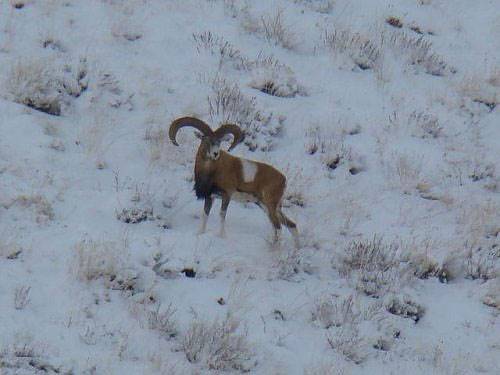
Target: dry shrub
{"points": [[228, 104], [482, 261], [492, 296], [275, 30], [221, 48], [405, 171], [333, 151], [104, 260], [27, 358], [291, 261], [376, 266], [276, 80], [405, 307], [482, 90], [220, 345], [333, 311], [347, 341], [42, 207], [9, 249], [365, 53], [417, 51], [22, 297], [426, 125], [45, 85], [161, 320], [320, 6]]}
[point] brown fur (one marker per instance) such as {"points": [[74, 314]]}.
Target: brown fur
{"points": [[224, 177], [219, 173]]}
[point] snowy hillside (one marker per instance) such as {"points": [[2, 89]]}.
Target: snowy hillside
{"points": [[384, 117]]}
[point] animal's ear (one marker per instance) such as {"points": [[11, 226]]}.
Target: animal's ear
{"points": [[198, 134]]}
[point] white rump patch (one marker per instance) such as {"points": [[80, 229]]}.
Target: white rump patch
{"points": [[249, 170]]}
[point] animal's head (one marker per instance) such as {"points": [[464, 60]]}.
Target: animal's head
{"points": [[210, 140]]}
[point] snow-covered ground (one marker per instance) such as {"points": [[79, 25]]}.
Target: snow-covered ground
{"points": [[383, 115]]}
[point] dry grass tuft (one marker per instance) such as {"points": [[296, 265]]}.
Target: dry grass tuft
{"points": [[219, 345]]}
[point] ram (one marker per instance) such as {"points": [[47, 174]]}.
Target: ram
{"points": [[219, 174]]}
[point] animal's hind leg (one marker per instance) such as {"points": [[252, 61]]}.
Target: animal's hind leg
{"points": [[292, 227], [204, 216], [275, 221]]}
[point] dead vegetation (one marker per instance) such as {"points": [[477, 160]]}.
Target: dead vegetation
{"points": [[106, 261], [363, 52], [333, 311], [220, 345], [45, 86], [42, 208], [375, 267], [227, 104]]}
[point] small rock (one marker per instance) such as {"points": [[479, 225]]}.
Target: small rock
{"points": [[189, 272]]}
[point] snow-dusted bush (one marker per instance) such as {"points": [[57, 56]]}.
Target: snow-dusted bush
{"points": [[45, 85], [135, 215], [404, 306], [492, 296], [162, 320], [28, 358], [290, 262], [404, 170], [363, 51], [274, 29], [9, 249], [482, 262], [276, 80], [22, 297], [227, 104], [220, 345], [482, 170], [332, 311], [376, 266], [328, 367], [41, 206], [126, 30], [347, 341], [481, 89], [320, 6], [423, 266], [221, 48], [317, 140], [333, 151], [104, 260], [417, 51], [107, 89], [297, 183], [425, 125]]}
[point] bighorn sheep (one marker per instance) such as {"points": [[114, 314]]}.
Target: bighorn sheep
{"points": [[217, 173]]}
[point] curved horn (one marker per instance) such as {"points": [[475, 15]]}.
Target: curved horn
{"points": [[235, 130], [187, 121]]}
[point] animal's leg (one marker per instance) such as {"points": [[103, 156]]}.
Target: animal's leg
{"points": [[275, 221], [226, 198], [272, 206], [205, 213], [292, 227]]}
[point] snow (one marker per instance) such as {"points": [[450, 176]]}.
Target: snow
{"points": [[390, 151]]}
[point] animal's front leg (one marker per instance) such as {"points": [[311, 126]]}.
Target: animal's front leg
{"points": [[205, 213], [226, 198]]}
